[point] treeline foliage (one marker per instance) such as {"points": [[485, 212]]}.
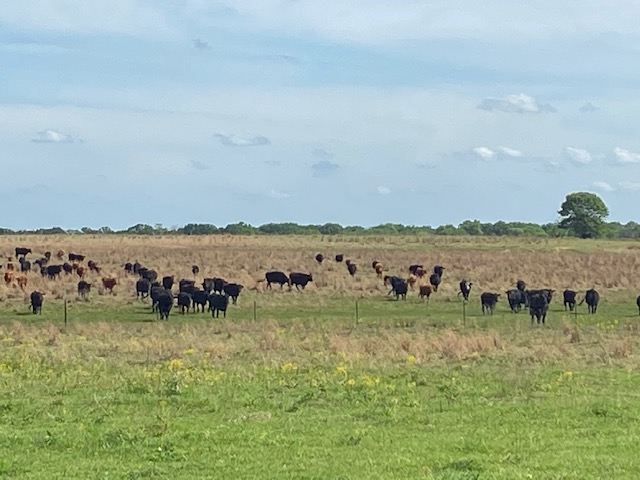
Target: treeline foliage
{"points": [[468, 227]]}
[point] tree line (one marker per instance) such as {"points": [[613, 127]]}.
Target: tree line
{"points": [[583, 215]]}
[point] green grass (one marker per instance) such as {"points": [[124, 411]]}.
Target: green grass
{"points": [[410, 390]]}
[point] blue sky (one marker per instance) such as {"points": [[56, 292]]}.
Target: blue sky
{"points": [[365, 112]]}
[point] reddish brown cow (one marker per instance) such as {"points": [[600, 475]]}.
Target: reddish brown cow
{"points": [[108, 283], [425, 291], [9, 277], [22, 282], [80, 271]]}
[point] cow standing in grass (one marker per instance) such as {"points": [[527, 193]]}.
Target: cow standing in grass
{"points": [[37, 300], [592, 297], [488, 301], [569, 299]]}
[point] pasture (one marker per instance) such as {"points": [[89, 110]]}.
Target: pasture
{"points": [[309, 385]]}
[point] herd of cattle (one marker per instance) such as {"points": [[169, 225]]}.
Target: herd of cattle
{"points": [[213, 294]]}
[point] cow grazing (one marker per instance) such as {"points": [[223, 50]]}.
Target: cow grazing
{"points": [[439, 270], [21, 280], [434, 280], [200, 299], [538, 307], [425, 291], [68, 268], [54, 271], [319, 258], [22, 251], [83, 288], [569, 299], [339, 257], [592, 297], [195, 269], [233, 290], [218, 284], [142, 288], [93, 267], [465, 289], [488, 301], [299, 279], [167, 282], [184, 302], [516, 299], [218, 303], [108, 283], [128, 268], [37, 299], [150, 275], [76, 257], [163, 303], [352, 268], [379, 269], [276, 277], [415, 269], [9, 277]]}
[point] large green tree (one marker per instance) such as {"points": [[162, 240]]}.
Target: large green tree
{"points": [[584, 215]]}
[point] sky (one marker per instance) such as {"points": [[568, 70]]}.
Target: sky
{"points": [[118, 112]]}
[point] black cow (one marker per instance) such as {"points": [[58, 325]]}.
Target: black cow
{"points": [[200, 299], [488, 301], [184, 302], [218, 303], [93, 266], [25, 265], [569, 299], [37, 299], [150, 275], [516, 299], [546, 292], [142, 288], [167, 282], [400, 289], [319, 258], [592, 297], [276, 277], [53, 271], [136, 268], [439, 270], [233, 290], [42, 263], [67, 268], [434, 280], [208, 284], [163, 303], [185, 285], [392, 281], [83, 288], [538, 307], [352, 268], [299, 279], [195, 269], [417, 270], [465, 289], [521, 285], [339, 257], [76, 257], [22, 251], [154, 293], [128, 268]]}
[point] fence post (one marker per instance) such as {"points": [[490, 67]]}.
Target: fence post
{"points": [[65, 312], [255, 311], [464, 313], [357, 313]]}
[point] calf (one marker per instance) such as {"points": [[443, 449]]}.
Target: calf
{"points": [[379, 268], [195, 269], [488, 301], [521, 285], [425, 291], [415, 269], [538, 307], [128, 268], [569, 299], [9, 277], [299, 279], [339, 257], [25, 265], [83, 288], [465, 289], [37, 299], [319, 258], [233, 290], [108, 283], [439, 270], [73, 257], [22, 282], [218, 303], [54, 271]]}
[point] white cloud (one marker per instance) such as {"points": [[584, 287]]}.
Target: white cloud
{"points": [[627, 185], [626, 156], [382, 190], [237, 141], [579, 155], [510, 152], [484, 152], [517, 103], [278, 194], [52, 136], [603, 186]]}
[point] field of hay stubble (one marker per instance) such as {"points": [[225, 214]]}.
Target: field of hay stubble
{"points": [[410, 390]]}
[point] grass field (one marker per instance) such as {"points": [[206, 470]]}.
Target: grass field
{"points": [[296, 385]]}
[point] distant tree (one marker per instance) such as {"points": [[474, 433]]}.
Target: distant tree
{"points": [[447, 230], [330, 229], [471, 227], [140, 229], [240, 228], [198, 229], [584, 215]]}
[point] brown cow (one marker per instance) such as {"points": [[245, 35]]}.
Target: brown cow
{"points": [[425, 291], [80, 270], [379, 269], [22, 282], [9, 277], [108, 283], [60, 254]]}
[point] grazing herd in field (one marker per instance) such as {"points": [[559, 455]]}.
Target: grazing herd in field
{"points": [[215, 293]]}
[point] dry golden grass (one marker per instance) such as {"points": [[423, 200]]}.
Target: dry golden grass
{"points": [[492, 264]]}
